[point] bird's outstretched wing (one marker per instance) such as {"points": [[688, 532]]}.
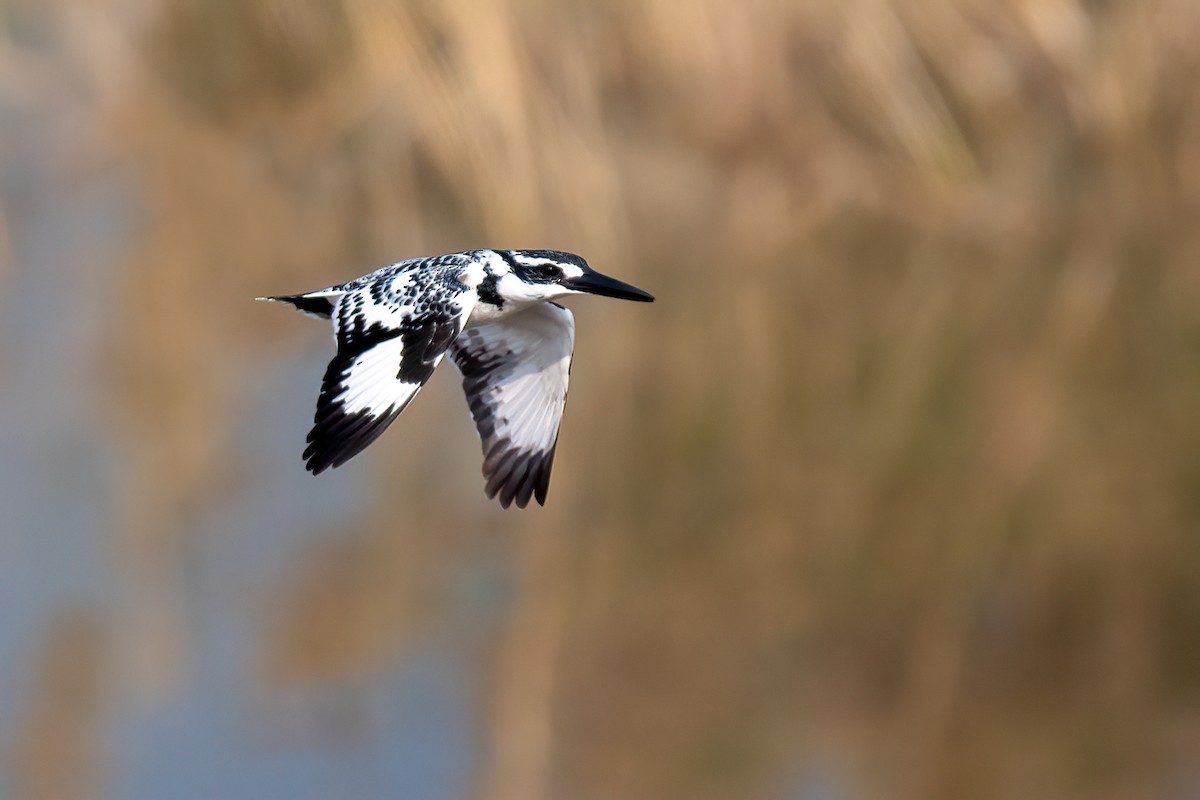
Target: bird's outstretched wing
{"points": [[388, 344], [515, 375]]}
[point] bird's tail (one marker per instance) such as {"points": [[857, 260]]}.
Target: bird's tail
{"points": [[318, 305]]}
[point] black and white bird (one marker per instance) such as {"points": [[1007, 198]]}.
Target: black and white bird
{"points": [[493, 312]]}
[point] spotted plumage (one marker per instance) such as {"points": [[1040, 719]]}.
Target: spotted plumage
{"points": [[491, 311]]}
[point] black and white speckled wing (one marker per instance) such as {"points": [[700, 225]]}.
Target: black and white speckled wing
{"points": [[392, 328], [515, 374]]}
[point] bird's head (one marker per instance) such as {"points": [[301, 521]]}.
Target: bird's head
{"points": [[536, 275]]}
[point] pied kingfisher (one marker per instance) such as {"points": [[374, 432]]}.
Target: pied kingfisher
{"points": [[492, 311]]}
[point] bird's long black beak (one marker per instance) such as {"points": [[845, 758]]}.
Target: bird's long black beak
{"points": [[593, 282]]}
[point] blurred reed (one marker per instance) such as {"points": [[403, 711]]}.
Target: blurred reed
{"points": [[899, 474]]}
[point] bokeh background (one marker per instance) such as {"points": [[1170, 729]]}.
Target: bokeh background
{"points": [[894, 493]]}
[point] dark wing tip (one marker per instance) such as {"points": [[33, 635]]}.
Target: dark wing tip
{"points": [[338, 437], [543, 476], [517, 476]]}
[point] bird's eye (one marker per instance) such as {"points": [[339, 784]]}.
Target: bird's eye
{"points": [[549, 271]]}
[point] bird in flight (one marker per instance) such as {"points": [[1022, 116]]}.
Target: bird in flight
{"points": [[492, 311]]}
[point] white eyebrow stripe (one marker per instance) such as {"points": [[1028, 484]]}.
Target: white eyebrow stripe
{"points": [[526, 261]]}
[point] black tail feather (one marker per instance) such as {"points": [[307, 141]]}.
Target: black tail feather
{"points": [[318, 306]]}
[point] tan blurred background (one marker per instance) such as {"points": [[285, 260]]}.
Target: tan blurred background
{"points": [[895, 492]]}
